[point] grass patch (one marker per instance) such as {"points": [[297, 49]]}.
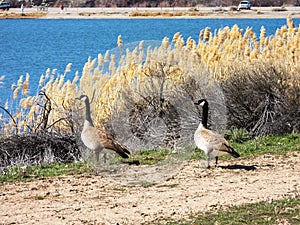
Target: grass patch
{"points": [[237, 135], [149, 157], [22, 173], [279, 145], [287, 211]]}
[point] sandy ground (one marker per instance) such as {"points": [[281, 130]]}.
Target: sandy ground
{"points": [[99, 199], [207, 12], [102, 199]]}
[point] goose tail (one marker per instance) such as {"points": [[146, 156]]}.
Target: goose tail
{"points": [[121, 150], [232, 152], [117, 148], [110, 143]]}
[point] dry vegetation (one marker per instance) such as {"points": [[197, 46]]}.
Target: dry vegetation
{"points": [[9, 15], [253, 76], [166, 13]]}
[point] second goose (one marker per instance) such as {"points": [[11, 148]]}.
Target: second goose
{"points": [[212, 143], [97, 140]]}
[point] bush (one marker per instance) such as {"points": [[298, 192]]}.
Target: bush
{"points": [[264, 99], [37, 148]]}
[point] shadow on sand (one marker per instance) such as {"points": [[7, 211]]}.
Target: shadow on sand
{"points": [[239, 167]]}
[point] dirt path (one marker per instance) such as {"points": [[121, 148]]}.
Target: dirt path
{"points": [[91, 199]]}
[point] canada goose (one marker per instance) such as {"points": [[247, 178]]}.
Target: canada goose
{"points": [[212, 143], [95, 139]]}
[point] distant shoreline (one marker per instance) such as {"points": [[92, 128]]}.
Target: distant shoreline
{"points": [[122, 13]]}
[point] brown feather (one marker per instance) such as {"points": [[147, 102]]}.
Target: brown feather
{"points": [[218, 142], [109, 142]]}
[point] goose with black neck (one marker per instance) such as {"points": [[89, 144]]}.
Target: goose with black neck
{"points": [[212, 143]]}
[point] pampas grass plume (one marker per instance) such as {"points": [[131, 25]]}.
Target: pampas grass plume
{"points": [[68, 68], [120, 41], [165, 43]]}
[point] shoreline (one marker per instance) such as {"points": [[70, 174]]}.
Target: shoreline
{"points": [[150, 13]]}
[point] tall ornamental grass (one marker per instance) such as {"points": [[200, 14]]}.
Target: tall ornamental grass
{"points": [[145, 96]]}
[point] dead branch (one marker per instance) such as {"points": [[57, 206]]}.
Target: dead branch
{"points": [[12, 118]]}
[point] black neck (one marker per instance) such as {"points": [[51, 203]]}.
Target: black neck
{"points": [[205, 114], [88, 111]]}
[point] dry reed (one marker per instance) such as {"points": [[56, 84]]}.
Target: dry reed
{"points": [[103, 79]]}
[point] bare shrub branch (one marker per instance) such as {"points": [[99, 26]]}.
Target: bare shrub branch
{"points": [[37, 148], [12, 118], [264, 99]]}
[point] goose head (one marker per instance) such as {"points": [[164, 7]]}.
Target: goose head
{"points": [[82, 97], [201, 102]]}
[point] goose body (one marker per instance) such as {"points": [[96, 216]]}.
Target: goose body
{"points": [[212, 143], [89, 136], [98, 140]]}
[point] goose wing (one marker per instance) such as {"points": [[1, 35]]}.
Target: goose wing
{"points": [[227, 148], [218, 142], [109, 142]]}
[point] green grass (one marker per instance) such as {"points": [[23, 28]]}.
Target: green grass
{"points": [[278, 145], [236, 135], [20, 173], [256, 213], [149, 157]]}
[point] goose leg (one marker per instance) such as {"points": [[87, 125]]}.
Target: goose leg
{"points": [[97, 152], [216, 161], [105, 158], [208, 159]]}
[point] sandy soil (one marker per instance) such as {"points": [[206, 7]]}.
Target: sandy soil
{"points": [[102, 199], [207, 12], [98, 199]]}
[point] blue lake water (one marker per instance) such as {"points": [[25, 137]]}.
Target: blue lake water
{"points": [[33, 45]]}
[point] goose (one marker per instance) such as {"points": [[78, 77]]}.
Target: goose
{"points": [[98, 140], [212, 143]]}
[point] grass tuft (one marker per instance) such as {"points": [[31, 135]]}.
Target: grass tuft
{"points": [[26, 173], [258, 213], [284, 211], [149, 157], [237, 135], [269, 144]]}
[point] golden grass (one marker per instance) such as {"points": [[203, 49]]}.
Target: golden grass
{"points": [[222, 51], [137, 13], [11, 15]]}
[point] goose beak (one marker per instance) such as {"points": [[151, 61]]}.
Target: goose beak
{"points": [[79, 98]]}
